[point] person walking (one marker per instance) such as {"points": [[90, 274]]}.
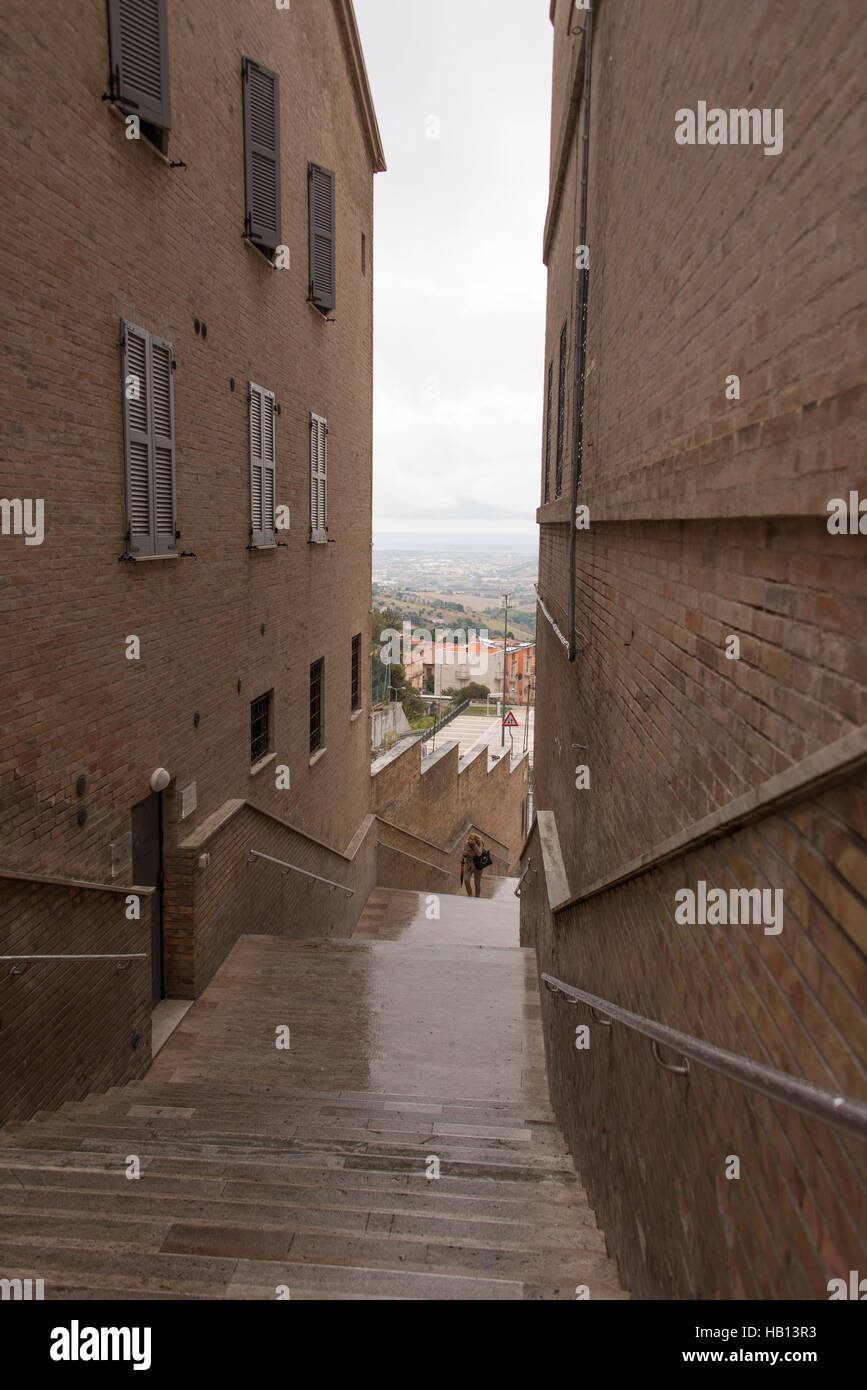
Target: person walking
{"points": [[473, 863]]}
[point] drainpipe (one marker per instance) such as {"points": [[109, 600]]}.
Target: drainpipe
{"points": [[580, 335]]}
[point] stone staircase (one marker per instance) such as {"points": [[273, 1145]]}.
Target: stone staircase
{"points": [[413, 1048]]}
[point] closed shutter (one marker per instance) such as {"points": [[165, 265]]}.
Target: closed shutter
{"points": [[261, 89], [163, 434], [323, 274], [318, 479], [149, 443], [139, 54], [135, 385], [262, 528]]}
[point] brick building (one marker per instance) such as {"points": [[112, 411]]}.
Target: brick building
{"points": [[714, 413], [187, 333]]}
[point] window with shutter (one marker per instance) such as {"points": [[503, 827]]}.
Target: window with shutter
{"points": [[138, 42], [318, 479], [149, 443], [262, 217], [323, 265], [262, 524]]}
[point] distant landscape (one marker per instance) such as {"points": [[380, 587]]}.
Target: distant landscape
{"points": [[459, 585]]}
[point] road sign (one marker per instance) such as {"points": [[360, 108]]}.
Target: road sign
{"points": [[510, 722]]}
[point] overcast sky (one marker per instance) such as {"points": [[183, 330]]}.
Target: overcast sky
{"points": [[459, 280]]}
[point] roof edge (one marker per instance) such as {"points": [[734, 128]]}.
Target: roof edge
{"points": [[355, 53]]}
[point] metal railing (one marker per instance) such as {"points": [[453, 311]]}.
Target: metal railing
{"points": [[296, 869], [529, 870], [438, 724], [815, 1101], [383, 844]]}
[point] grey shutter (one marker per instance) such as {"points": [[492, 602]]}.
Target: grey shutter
{"points": [[261, 90], [138, 38], [318, 479], [135, 387], [163, 447], [323, 273], [262, 527], [268, 522], [149, 443]]}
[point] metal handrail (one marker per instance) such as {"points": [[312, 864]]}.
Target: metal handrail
{"points": [[815, 1101], [296, 868], [529, 870], [428, 865]]}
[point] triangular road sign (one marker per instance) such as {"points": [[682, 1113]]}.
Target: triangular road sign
{"points": [[510, 722]]}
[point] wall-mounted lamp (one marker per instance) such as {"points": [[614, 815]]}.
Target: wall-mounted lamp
{"points": [[160, 779]]}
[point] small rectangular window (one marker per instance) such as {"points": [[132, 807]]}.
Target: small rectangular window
{"points": [[260, 728], [316, 702], [363, 254], [356, 672]]}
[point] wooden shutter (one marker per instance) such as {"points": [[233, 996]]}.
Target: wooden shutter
{"points": [[138, 38], [261, 90], [149, 443], [135, 387], [323, 273], [163, 448], [262, 527], [318, 479]]}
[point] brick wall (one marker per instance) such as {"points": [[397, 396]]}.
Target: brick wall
{"points": [[120, 235], [69, 1027], [438, 797], [653, 1147], [708, 520], [209, 908]]}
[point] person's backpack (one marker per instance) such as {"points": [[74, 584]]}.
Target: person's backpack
{"points": [[482, 860]]}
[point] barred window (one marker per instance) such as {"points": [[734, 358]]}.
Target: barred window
{"points": [[356, 672], [260, 728], [316, 695]]}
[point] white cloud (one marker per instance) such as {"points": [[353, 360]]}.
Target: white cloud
{"points": [[460, 285]]}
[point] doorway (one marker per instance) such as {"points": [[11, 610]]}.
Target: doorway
{"points": [[147, 872]]}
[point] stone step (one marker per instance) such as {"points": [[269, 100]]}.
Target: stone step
{"points": [[70, 1188], [138, 1207], [37, 1240], [172, 1096], [555, 1191], [174, 1277], [384, 1132]]}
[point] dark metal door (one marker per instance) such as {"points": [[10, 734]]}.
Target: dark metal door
{"points": [[147, 872]]}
